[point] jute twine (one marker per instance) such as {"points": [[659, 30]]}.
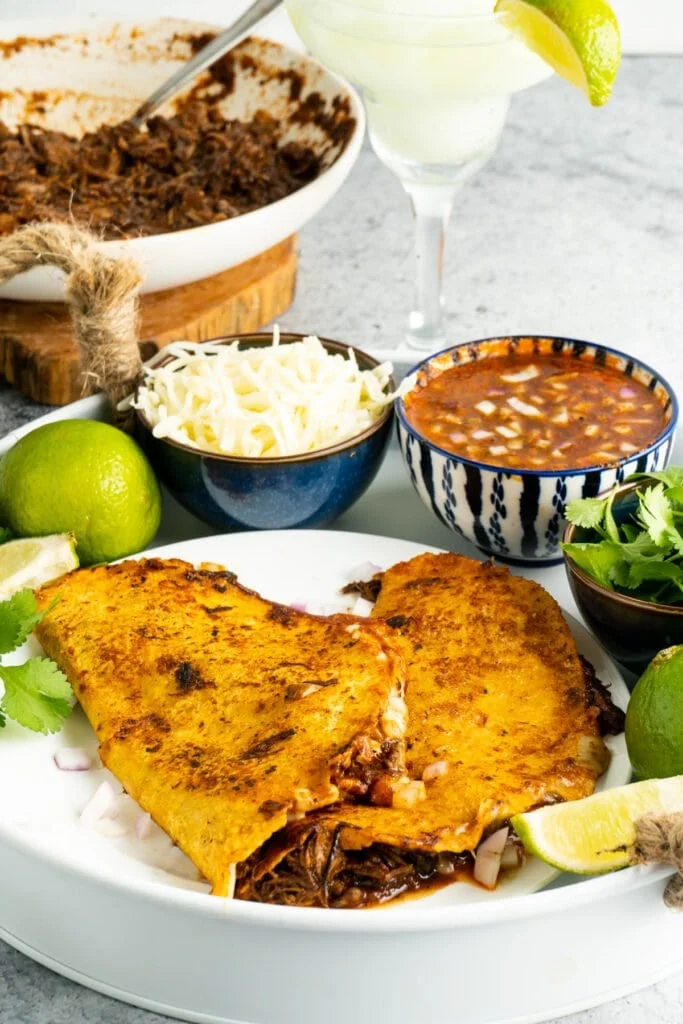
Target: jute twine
{"points": [[102, 294], [659, 840]]}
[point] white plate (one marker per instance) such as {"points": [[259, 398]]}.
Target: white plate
{"points": [[42, 806], [101, 72], [506, 961]]}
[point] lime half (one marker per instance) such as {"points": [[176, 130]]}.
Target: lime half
{"points": [[596, 834], [579, 39], [654, 719], [34, 561]]}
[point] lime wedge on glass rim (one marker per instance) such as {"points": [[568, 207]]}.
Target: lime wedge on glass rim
{"points": [[32, 561], [579, 39], [596, 834]]}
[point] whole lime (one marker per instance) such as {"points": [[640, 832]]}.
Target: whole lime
{"points": [[654, 718], [84, 477]]}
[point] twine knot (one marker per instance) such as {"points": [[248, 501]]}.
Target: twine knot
{"points": [[102, 294], [659, 840]]}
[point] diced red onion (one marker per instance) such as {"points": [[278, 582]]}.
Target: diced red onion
{"points": [[458, 438], [99, 806], [362, 607], [364, 571], [481, 435], [110, 828], [627, 392], [511, 856], [488, 857], [298, 606], [72, 759], [333, 607], [143, 825]]}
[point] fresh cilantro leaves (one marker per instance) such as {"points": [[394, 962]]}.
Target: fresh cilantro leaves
{"points": [[18, 618], [642, 556], [37, 694]]}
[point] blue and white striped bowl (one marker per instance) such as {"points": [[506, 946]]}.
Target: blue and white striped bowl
{"points": [[517, 515]]}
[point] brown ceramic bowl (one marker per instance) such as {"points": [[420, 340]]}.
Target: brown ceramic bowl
{"points": [[633, 631]]}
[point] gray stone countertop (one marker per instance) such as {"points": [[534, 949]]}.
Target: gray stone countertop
{"points": [[575, 229]]}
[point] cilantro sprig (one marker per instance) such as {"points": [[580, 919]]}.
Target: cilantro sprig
{"points": [[36, 694], [642, 556]]}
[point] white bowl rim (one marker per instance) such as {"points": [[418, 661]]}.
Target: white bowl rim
{"points": [[347, 156]]}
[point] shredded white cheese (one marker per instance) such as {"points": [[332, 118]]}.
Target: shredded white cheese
{"points": [[261, 402]]}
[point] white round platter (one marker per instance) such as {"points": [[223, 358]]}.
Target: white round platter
{"points": [[95, 909], [94, 71]]}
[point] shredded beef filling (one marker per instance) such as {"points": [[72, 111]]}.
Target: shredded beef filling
{"points": [[367, 589], [192, 169], [318, 872], [363, 771], [305, 865], [611, 719]]}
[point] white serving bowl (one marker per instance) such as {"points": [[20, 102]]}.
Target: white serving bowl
{"points": [[92, 72]]}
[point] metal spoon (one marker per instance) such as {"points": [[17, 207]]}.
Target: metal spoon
{"points": [[210, 53]]}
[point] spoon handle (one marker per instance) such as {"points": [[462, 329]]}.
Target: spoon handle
{"points": [[223, 42]]}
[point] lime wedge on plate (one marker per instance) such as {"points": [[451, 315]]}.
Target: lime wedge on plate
{"points": [[596, 834], [579, 39], [35, 560]]}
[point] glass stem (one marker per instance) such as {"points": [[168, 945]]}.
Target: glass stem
{"points": [[432, 205]]}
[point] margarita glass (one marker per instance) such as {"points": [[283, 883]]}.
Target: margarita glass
{"points": [[436, 78]]}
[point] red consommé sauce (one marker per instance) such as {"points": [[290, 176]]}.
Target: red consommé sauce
{"points": [[542, 412]]}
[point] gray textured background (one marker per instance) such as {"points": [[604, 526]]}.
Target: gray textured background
{"points": [[575, 228]]}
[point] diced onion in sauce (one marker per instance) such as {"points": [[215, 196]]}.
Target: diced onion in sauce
{"points": [[528, 373], [486, 407], [546, 410], [524, 408]]}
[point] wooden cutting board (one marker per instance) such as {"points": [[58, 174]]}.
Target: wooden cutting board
{"points": [[39, 356]]}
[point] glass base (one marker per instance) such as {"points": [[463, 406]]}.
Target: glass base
{"points": [[422, 337]]}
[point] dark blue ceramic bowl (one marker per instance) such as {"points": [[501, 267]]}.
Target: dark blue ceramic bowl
{"points": [[233, 493]]}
